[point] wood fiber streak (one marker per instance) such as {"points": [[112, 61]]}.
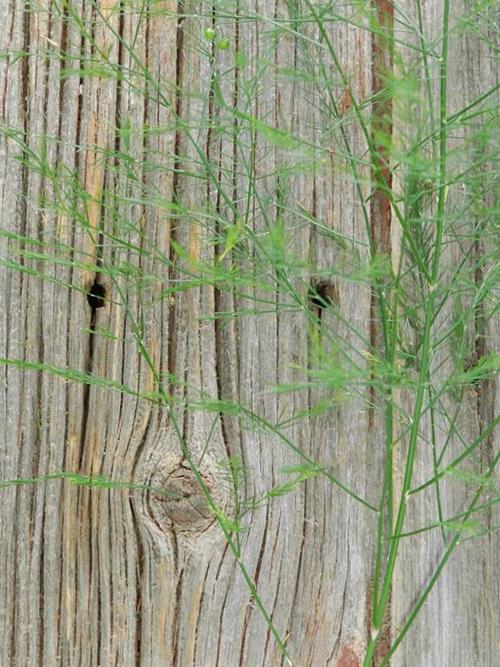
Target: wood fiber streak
{"points": [[380, 219]]}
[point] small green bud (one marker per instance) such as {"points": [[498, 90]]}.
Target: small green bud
{"points": [[223, 44], [209, 34]]}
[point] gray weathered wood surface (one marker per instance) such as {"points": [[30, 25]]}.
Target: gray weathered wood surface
{"points": [[459, 625], [113, 576]]}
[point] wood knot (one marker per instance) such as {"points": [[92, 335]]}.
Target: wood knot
{"points": [[178, 501]]}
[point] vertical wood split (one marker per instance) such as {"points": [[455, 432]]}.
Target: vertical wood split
{"points": [[381, 135], [382, 63], [172, 301], [380, 214]]}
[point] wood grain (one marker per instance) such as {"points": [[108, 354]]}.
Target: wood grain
{"points": [[120, 576], [458, 624]]}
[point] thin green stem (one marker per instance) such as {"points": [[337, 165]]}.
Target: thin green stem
{"points": [[444, 559], [426, 356]]}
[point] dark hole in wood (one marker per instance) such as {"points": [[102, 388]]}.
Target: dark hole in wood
{"points": [[96, 296], [322, 294]]}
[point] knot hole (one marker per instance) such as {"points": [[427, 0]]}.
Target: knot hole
{"points": [[322, 294], [97, 295]]}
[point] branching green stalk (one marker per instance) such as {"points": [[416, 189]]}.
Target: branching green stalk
{"points": [[264, 276], [444, 559], [426, 356]]}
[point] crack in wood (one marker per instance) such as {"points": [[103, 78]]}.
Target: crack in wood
{"points": [[380, 222], [380, 206], [172, 302], [140, 577], [96, 298]]}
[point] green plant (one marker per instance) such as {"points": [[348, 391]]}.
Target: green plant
{"points": [[432, 301]]}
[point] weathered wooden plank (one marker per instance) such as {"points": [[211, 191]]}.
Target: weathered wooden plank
{"points": [[128, 101], [458, 624], [336, 531]]}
